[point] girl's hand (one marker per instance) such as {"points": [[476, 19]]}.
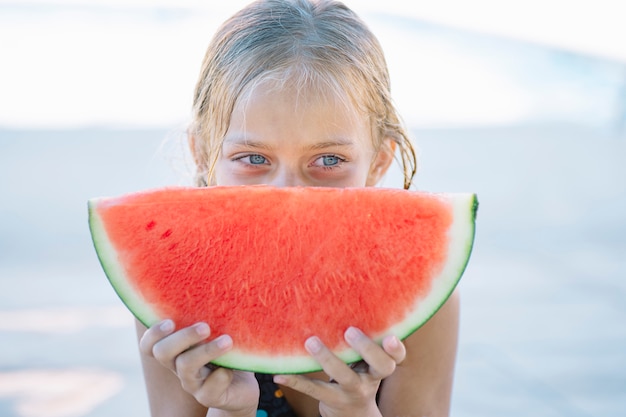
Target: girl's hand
{"points": [[351, 391], [184, 353]]}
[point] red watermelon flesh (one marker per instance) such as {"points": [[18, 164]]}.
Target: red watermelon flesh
{"points": [[273, 266]]}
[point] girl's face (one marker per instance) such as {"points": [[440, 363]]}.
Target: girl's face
{"points": [[283, 137]]}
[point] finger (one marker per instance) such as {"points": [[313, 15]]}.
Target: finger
{"points": [[381, 364], [167, 349], [191, 365], [213, 388], [313, 388], [394, 348], [334, 367], [152, 335]]}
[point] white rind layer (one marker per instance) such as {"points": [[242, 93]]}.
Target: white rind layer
{"points": [[114, 271], [461, 234]]}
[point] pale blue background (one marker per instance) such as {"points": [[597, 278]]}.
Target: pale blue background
{"points": [[537, 132]]}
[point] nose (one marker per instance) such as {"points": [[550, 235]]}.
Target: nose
{"points": [[287, 177]]}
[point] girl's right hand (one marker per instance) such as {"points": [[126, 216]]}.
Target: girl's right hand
{"points": [[184, 353]]}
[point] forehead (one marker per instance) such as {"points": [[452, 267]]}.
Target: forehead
{"points": [[329, 84], [272, 110], [302, 97], [302, 92]]}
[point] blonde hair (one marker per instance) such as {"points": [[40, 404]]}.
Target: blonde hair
{"points": [[314, 44]]}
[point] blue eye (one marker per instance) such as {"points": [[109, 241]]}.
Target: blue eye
{"points": [[257, 159], [330, 160]]}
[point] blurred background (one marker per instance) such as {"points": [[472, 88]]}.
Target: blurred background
{"points": [[522, 102]]}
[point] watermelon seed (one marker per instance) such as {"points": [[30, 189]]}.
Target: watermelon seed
{"points": [[167, 234], [150, 225]]}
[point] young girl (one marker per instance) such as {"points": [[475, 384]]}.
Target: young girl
{"points": [[296, 93]]}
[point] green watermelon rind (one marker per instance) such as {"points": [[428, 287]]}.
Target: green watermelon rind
{"points": [[461, 232], [108, 257]]}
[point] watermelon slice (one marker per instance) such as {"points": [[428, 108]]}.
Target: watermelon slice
{"points": [[273, 266]]}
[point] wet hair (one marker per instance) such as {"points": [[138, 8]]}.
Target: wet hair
{"points": [[320, 45]]}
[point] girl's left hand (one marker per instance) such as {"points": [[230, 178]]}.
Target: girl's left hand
{"points": [[351, 391]]}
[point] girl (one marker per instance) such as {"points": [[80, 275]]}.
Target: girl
{"points": [[296, 93]]}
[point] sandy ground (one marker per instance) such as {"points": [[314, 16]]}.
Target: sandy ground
{"points": [[542, 332]]}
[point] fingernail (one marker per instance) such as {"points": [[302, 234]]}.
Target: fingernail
{"points": [[313, 344], [393, 342], [202, 329], [166, 326], [279, 379], [224, 341], [352, 334]]}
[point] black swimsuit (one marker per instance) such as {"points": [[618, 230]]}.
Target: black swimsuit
{"points": [[272, 402]]}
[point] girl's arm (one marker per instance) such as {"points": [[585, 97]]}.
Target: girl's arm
{"points": [[422, 383], [178, 382], [166, 396], [417, 374]]}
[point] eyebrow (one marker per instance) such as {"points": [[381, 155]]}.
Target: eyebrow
{"points": [[251, 143], [248, 143], [339, 143]]}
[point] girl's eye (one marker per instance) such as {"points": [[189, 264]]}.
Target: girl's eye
{"points": [[253, 159], [257, 159], [328, 161]]}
